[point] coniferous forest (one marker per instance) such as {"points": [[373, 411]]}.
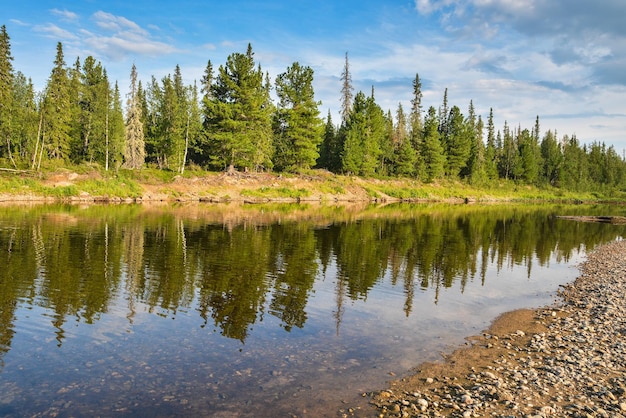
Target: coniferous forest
{"points": [[237, 117]]}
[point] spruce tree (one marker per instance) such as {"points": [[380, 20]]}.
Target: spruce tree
{"points": [[416, 129], [508, 158], [134, 151], [375, 140], [94, 99], [57, 109], [353, 154], [180, 134], [457, 142], [25, 117], [552, 158], [405, 154], [432, 150], [330, 150], [116, 132], [491, 166], [297, 127], [238, 116], [193, 128], [346, 92], [6, 94]]}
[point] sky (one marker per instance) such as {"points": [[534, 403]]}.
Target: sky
{"points": [[561, 60]]}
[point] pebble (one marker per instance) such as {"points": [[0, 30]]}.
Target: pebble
{"points": [[575, 369]]}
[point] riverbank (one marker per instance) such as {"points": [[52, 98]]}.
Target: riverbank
{"points": [[89, 185], [564, 360]]}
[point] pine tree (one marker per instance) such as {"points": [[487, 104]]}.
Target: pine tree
{"points": [[297, 127], [58, 111], [6, 94], [134, 151]]}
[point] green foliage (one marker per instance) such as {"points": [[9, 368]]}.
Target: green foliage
{"points": [[432, 150], [237, 116], [58, 110], [78, 118], [365, 133], [297, 127]]}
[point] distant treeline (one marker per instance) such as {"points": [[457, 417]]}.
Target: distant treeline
{"points": [[229, 119]]}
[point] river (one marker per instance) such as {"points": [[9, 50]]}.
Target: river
{"points": [[259, 310]]}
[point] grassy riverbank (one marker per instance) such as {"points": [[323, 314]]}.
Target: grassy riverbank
{"points": [[87, 183]]}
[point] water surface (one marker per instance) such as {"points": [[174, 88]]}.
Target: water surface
{"points": [[272, 310]]}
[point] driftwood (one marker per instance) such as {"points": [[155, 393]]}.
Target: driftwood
{"points": [[12, 170], [601, 219]]}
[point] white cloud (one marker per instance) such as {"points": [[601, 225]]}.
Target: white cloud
{"points": [[114, 23], [64, 14], [53, 31], [18, 22]]}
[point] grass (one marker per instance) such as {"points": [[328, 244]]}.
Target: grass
{"points": [[66, 182], [276, 192]]}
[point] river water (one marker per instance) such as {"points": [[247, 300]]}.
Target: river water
{"points": [[260, 310]]}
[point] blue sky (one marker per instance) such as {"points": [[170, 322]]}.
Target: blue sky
{"points": [[564, 60]]}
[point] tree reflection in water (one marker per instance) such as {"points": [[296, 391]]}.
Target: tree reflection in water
{"points": [[235, 265]]}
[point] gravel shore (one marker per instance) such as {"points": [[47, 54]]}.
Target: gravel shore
{"points": [[568, 360]]}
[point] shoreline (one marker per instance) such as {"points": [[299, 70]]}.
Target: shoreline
{"points": [[318, 186], [568, 359]]}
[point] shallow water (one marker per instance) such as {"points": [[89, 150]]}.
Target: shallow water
{"points": [[269, 310]]}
